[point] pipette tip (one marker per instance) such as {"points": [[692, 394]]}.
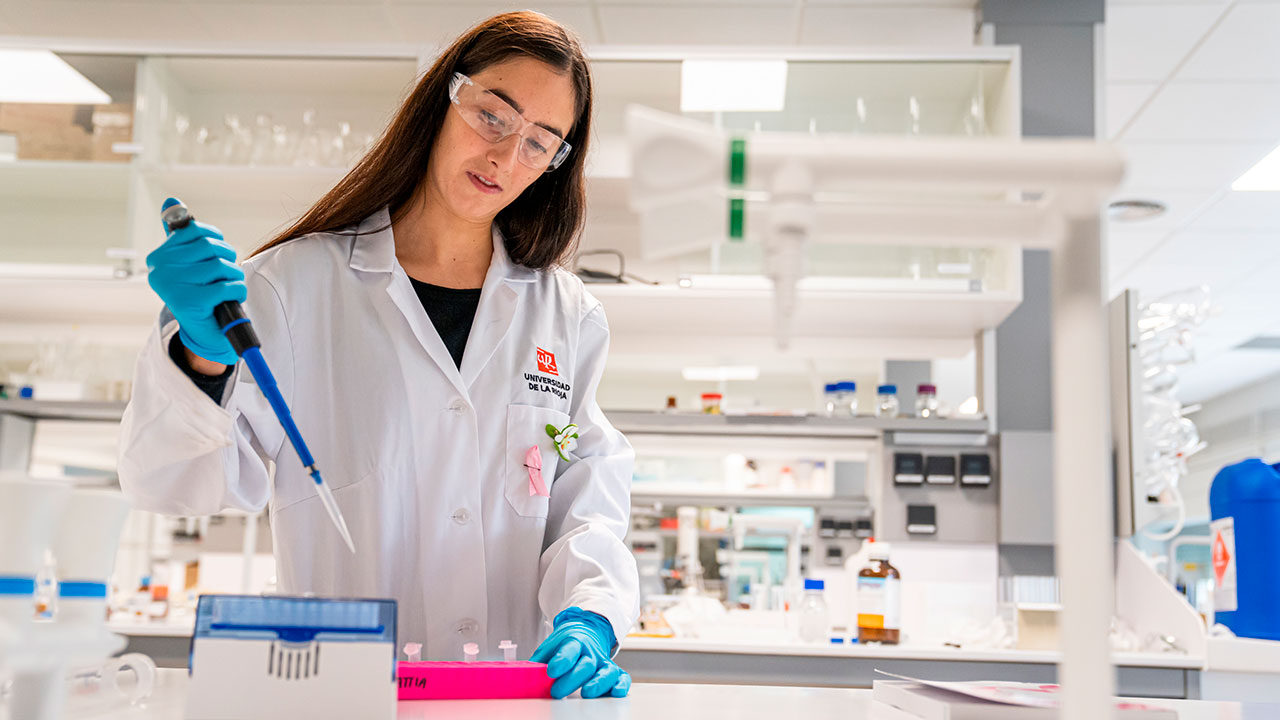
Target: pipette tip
{"points": [[331, 506]]}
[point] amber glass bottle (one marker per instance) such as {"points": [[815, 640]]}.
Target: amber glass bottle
{"points": [[879, 598]]}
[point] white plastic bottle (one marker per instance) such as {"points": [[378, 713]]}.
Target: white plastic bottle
{"points": [[815, 619]]}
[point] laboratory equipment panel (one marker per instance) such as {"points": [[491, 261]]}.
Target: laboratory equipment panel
{"points": [[939, 487]]}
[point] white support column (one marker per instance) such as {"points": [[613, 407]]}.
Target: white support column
{"points": [[1082, 470]]}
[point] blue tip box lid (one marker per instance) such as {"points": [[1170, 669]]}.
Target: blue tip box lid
{"points": [[810, 584], [295, 619]]}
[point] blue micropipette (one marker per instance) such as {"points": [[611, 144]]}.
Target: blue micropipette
{"points": [[239, 332]]}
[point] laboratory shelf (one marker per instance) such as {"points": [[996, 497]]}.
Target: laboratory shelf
{"points": [[63, 409], [771, 498], [632, 421], [67, 180], [278, 187], [35, 299], [885, 321]]}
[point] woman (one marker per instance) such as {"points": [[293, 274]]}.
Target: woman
{"points": [[439, 364]]}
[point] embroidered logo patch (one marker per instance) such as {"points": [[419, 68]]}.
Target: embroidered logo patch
{"points": [[547, 362]]}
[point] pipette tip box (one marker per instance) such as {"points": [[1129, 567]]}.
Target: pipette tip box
{"points": [[473, 680]]}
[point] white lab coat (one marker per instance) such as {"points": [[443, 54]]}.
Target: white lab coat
{"points": [[426, 461]]}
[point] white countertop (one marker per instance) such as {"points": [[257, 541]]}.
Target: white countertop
{"points": [[896, 652], [152, 628], [668, 702], [901, 652]]}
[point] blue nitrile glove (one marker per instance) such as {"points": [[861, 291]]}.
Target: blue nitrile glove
{"points": [[577, 656], [193, 272]]}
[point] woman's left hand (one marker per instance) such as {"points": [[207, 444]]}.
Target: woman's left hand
{"points": [[577, 656]]}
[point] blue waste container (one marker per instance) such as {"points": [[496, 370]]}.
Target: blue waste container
{"points": [[1244, 502]]}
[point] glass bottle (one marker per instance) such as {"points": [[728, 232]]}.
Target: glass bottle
{"points": [[927, 401], [879, 599], [887, 401], [815, 619]]}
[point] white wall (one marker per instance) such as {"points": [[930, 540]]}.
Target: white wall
{"points": [[1241, 424]]}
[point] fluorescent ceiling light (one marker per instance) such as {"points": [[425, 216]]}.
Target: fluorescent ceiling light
{"points": [[732, 85], [39, 76], [1263, 177], [721, 373]]}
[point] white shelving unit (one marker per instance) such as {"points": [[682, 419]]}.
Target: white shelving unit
{"points": [[117, 204]]}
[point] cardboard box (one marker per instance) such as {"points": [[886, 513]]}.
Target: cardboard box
{"points": [[68, 132], [36, 116], [57, 143]]}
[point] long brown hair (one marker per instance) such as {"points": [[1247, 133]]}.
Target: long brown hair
{"points": [[542, 225]]}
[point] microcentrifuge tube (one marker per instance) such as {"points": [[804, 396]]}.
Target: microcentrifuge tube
{"points": [[470, 652], [413, 652], [508, 649]]}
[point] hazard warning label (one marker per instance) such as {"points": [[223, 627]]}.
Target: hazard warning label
{"points": [[1224, 564]]}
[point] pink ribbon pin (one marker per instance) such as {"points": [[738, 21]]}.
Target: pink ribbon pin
{"points": [[533, 463]]}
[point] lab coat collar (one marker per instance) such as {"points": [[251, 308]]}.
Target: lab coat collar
{"points": [[374, 250]]}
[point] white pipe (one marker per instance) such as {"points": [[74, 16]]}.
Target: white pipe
{"points": [[1081, 472], [249, 549]]}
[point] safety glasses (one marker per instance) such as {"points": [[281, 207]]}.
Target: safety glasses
{"points": [[494, 120]]}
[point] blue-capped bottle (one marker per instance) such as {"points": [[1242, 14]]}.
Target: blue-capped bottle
{"points": [[829, 398], [846, 398], [887, 401], [815, 619]]}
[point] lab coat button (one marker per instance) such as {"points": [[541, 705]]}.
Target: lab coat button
{"points": [[458, 406], [461, 516], [468, 627]]}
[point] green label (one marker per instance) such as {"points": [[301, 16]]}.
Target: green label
{"points": [[737, 208], [737, 162]]}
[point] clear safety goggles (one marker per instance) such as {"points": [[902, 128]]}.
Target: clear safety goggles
{"points": [[494, 120]]}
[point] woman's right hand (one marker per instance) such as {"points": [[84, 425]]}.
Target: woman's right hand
{"points": [[193, 272]]}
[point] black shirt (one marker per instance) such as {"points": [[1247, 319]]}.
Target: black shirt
{"points": [[451, 311]]}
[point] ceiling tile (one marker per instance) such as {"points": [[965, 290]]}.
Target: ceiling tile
{"points": [[887, 26], [1146, 42], [1125, 248], [1210, 112], [439, 25], [1123, 101], [689, 25], [115, 21], [1122, 3], [1243, 251], [1184, 166], [1247, 211], [704, 3], [1246, 46], [282, 23], [931, 4], [287, 2], [1153, 279], [1222, 373]]}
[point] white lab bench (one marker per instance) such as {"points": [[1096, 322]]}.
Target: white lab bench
{"points": [[665, 701], [1155, 675], [668, 660]]}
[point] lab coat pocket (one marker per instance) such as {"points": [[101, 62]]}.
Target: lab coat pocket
{"points": [[526, 429]]}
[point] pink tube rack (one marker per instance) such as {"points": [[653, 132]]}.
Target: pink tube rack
{"points": [[473, 680]]}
